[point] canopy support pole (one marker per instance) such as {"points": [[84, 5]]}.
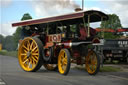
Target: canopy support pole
{"points": [[47, 29], [102, 28], [88, 25]]}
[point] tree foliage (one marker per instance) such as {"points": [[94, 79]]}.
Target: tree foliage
{"points": [[10, 43], [1, 39], [26, 16], [110, 36], [112, 23], [17, 34]]}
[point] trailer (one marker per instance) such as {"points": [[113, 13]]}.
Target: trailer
{"points": [[115, 49]]}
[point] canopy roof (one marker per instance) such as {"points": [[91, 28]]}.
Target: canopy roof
{"points": [[70, 19]]}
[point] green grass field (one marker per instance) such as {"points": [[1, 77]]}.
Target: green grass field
{"points": [[8, 53]]}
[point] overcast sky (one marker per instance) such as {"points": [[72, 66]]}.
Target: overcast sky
{"points": [[13, 10]]}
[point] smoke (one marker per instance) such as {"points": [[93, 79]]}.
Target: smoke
{"points": [[53, 7], [5, 3], [57, 3]]}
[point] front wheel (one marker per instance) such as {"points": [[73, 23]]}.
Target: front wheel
{"points": [[64, 62], [92, 63], [30, 54]]}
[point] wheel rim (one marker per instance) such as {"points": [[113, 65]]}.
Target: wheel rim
{"points": [[28, 54], [62, 61], [91, 62]]}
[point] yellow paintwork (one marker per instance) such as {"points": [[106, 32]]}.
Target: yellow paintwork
{"points": [[62, 61], [91, 62], [28, 54], [0, 47]]}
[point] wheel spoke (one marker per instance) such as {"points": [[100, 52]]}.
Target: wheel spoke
{"points": [[32, 63], [34, 49], [25, 57], [25, 47], [34, 59], [29, 65], [25, 61], [25, 51], [93, 62], [65, 61], [31, 60], [31, 45], [23, 54], [62, 54], [64, 67], [34, 54], [28, 44]]}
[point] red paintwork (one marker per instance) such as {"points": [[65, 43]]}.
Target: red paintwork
{"points": [[96, 40], [54, 38], [49, 44], [66, 44], [50, 19], [83, 33], [122, 30], [111, 30], [104, 30]]}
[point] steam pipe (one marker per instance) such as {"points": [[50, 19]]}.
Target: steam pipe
{"points": [[69, 44]]}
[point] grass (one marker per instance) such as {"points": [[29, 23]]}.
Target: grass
{"points": [[8, 53], [110, 69], [103, 69], [114, 62]]}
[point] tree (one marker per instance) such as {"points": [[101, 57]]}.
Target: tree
{"points": [[26, 16], [112, 23], [17, 34], [2, 41], [9, 43]]}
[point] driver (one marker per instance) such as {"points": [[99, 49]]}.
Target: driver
{"points": [[25, 32]]}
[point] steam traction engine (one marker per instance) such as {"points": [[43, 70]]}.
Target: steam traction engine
{"points": [[53, 45]]}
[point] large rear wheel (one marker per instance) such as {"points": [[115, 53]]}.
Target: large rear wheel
{"points": [[30, 54], [64, 62], [92, 62]]}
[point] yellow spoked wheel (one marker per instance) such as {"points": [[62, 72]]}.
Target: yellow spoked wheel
{"points": [[29, 54], [51, 67], [64, 62], [92, 62]]}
